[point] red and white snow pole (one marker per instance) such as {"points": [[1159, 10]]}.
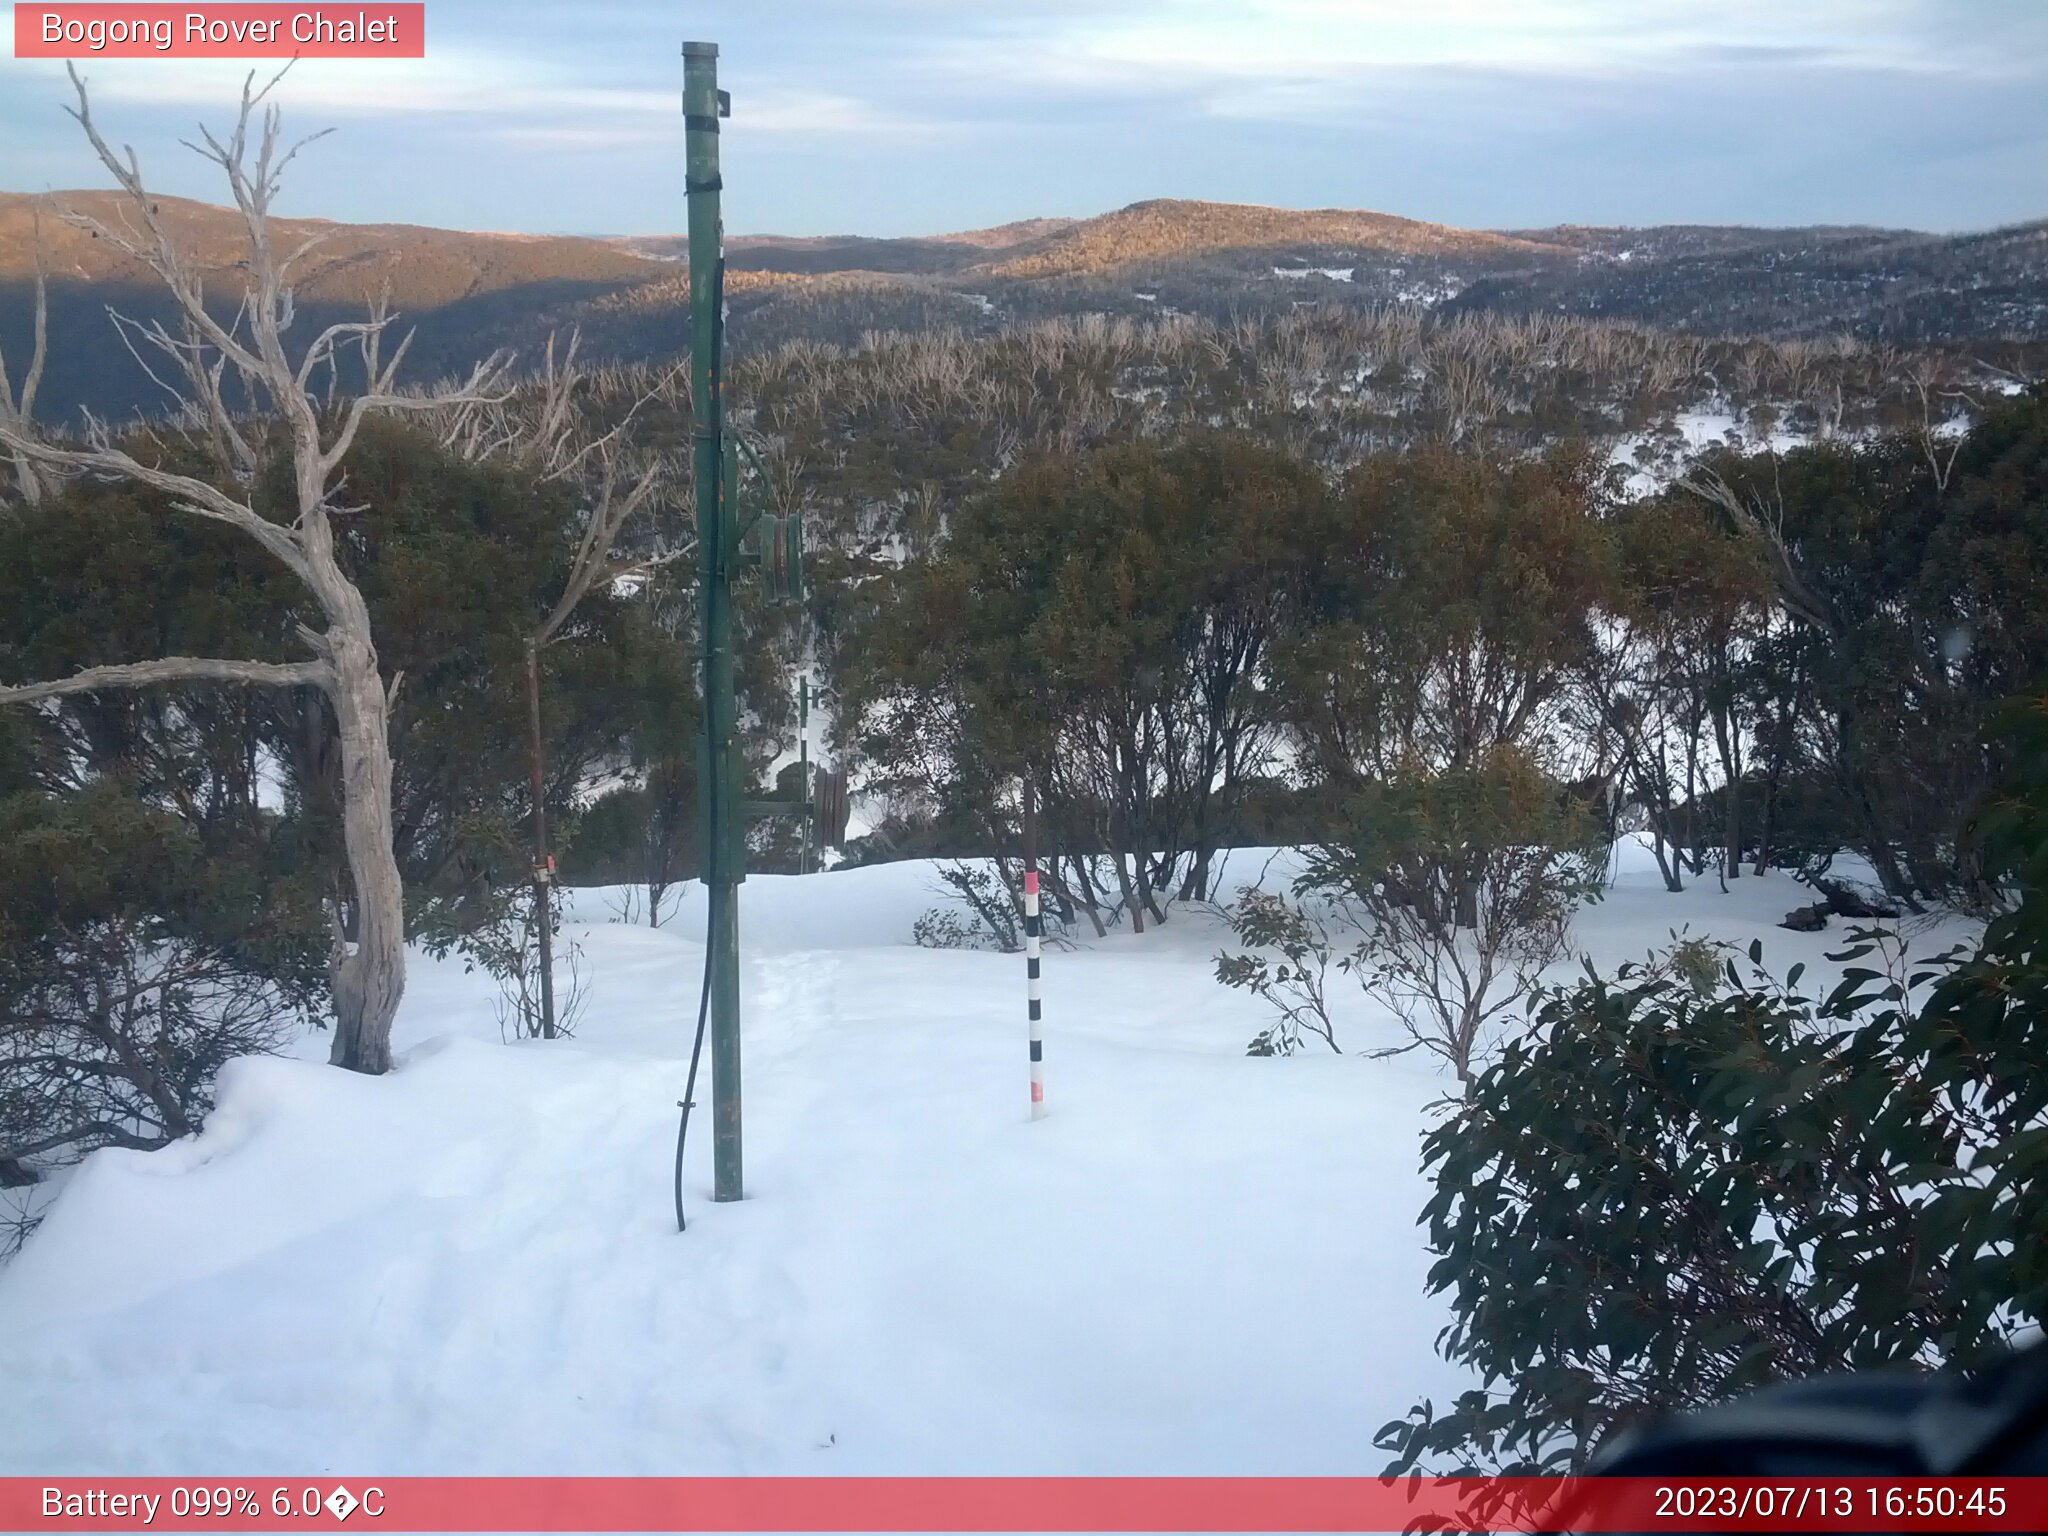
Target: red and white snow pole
{"points": [[1032, 930]]}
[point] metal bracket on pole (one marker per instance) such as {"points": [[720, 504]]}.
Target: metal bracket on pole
{"points": [[768, 541]]}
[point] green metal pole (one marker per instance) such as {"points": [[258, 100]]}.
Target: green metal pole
{"points": [[720, 795]]}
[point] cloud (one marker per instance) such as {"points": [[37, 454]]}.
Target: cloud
{"points": [[822, 112], [577, 136], [1293, 56], [453, 82], [901, 115], [795, 114], [504, 97]]}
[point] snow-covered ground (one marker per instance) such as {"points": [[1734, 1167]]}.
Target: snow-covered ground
{"points": [[1334, 274], [1199, 1262], [1658, 457]]}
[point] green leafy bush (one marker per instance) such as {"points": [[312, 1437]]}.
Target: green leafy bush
{"points": [[133, 962], [1460, 886], [985, 915], [1669, 1193], [1296, 984]]}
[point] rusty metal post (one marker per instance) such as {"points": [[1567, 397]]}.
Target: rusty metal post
{"points": [[543, 865]]}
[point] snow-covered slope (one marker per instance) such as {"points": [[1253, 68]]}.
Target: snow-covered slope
{"points": [[1199, 1262]]}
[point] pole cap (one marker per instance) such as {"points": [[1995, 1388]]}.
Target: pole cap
{"points": [[700, 50]]}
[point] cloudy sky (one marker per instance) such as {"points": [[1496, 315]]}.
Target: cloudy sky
{"points": [[916, 116]]}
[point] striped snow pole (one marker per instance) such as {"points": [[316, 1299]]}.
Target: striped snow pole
{"points": [[1033, 927]]}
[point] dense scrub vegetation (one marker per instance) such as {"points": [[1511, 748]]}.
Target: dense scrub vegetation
{"points": [[887, 432], [1238, 608], [1776, 659], [1695, 1178]]}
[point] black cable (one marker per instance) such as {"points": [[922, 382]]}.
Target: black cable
{"points": [[689, 1097]]}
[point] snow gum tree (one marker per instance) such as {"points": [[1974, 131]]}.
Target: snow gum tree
{"points": [[1425, 702], [217, 363], [1105, 623], [1910, 588], [1668, 685], [1455, 598]]}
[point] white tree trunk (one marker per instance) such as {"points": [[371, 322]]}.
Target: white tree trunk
{"points": [[369, 977]]}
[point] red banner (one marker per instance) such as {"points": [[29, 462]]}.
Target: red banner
{"points": [[1062, 1504], [318, 31]]}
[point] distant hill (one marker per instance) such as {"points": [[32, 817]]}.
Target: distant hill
{"points": [[1162, 229], [424, 268], [465, 293], [1665, 241], [1899, 285], [1009, 236], [468, 292], [1166, 228], [861, 253]]}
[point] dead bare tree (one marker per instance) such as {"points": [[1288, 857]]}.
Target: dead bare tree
{"points": [[17, 410], [367, 965], [546, 426], [1933, 378], [594, 567]]}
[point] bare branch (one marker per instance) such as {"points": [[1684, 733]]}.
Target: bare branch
{"points": [[193, 495], [26, 403], [157, 250], [19, 410], [1750, 517], [128, 329], [483, 387], [325, 344], [600, 531], [305, 248], [176, 669]]}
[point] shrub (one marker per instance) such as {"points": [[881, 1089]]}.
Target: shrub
{"points": [[1669, 1193], [1461, 885], [133, 963], [986, 916], [1296, 985]]}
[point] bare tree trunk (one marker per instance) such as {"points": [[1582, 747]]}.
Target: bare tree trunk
{"points": [[17, 410], [1732, 862], [1145, 891], [1463, 1040], [1731, 814], [1667, 864], [1879, 849], [368, 977], [1692, 852], [1089, 900], [1763, 828], [1130, 895], [1781, 751]]}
